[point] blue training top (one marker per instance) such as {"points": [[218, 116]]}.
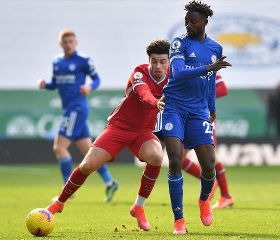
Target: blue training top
{"points": [[190, 87], [68, 75]]}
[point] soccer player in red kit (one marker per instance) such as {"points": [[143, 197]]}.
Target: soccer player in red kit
{"points": [[192, 168], [130, 125]]}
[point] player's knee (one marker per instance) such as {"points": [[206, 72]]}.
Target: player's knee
{"points": [[208, 169], [86, 168], [175, 165], [155, 159], [59, 151]]}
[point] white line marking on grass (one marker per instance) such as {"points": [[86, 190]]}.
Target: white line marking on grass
{"points": [[24, 170]]}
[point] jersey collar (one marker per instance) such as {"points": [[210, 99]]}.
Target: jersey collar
{"points": [[156, 81]]}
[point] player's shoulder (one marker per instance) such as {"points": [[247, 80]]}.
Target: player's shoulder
{"points": [[214, 42], [181, 38], [58, 57], [82, 55], [178, 42], [142, 68]]}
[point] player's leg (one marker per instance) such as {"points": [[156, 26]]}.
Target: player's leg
{"points": [[104, 149], [111, 185], [147, 148], [193, 169], [226, 199], [206, 157], [199, 136], [175, 182], [63, 156], [173, 130]]}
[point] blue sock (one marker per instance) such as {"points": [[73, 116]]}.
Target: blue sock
{"points": [[65, 167], [176, 194], [105, 174], [206, 187]]}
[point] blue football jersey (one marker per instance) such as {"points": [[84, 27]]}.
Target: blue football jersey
{"points": [[68, 75], [190, 87]]}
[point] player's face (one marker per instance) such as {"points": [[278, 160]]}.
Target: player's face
{"points": [[68, 43], [159, 64], [195, 24]]}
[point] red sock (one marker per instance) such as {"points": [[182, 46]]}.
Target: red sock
{"points": [[148, 180], [75, 181], [221, 178], [191, 168]]}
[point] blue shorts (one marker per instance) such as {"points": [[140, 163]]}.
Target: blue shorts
{"points": [[74, 125], [192, 129]]}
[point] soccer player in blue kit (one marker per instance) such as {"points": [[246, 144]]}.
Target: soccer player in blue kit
{"points": [[190, 108], [69, 76]]}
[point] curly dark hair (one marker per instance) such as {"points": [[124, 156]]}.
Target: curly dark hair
{"points": [[159, 46], [198, 6]]}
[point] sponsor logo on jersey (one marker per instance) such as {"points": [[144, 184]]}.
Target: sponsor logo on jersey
{"points": [[72, 67], [61, 79], [168, 126], [192, 55], [249, 41]]}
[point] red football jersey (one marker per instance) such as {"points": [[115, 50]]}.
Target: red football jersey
{"points": [[133, 112]]}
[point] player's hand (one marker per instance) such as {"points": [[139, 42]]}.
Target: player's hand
{"points": [[85, 89], [160, 103], [41, 83], [212, 116], [219, 64]]}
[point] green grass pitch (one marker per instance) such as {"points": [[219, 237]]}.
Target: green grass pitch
{"points": [[255, 215]]}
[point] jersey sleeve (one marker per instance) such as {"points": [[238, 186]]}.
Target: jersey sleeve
{"points": [[177, 62], [52, 84], [142, 89], [212, 96], [90, 70]]}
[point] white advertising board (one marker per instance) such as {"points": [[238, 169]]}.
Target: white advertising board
{"points": [[116, 33]]}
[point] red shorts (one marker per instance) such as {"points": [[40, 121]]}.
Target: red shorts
{"points": [[114, 139]]}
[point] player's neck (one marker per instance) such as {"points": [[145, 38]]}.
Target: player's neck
{"points": [[202, 37], [68, 55]]}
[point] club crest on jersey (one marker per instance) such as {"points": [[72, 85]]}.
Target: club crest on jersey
{"points": [[56, 68], [168, 126], [72, 67], [213, 58], [138, 76]]}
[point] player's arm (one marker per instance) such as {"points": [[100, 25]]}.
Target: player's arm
{"points": [[90, 70], [180, 72], [145, 94], [177, 62], [219, 64], [212, 101], [50, 86]]}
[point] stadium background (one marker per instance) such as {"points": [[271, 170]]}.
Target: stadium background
{"points": [[115, 34]]}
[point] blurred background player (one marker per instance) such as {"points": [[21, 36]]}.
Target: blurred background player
{"points": [[190, 109], [69, 76], [130, 125], [192, 168]]}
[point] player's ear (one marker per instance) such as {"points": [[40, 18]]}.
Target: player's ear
{"points": [[206, 22]]}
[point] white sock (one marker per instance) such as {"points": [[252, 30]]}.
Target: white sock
{"points": [[140, 201]]}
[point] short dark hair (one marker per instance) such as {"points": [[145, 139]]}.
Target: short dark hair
{"points": [[198, 6], [159, 46]]}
